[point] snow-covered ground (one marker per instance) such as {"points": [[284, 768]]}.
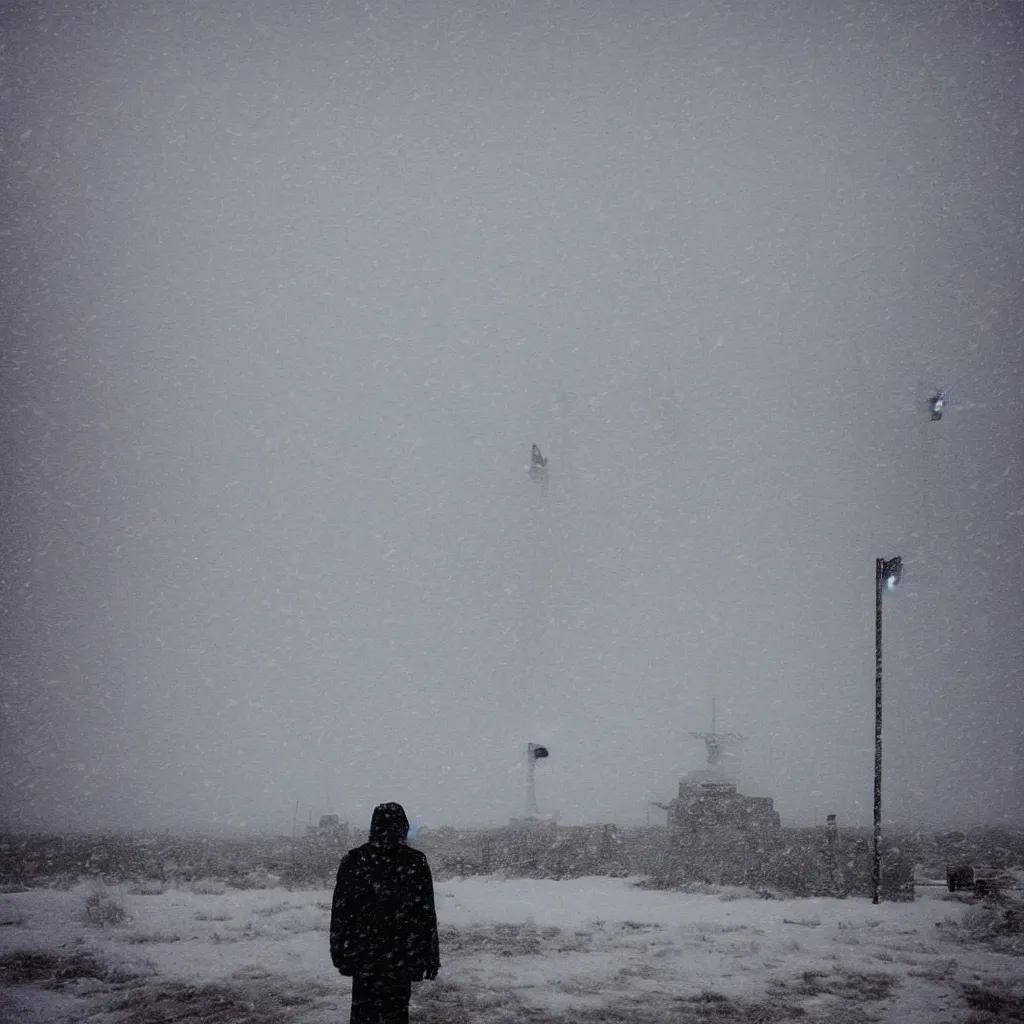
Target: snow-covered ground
{"points": [[590, 949]]}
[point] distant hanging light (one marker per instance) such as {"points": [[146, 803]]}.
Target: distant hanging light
{"points": [[538, 462], [892, 572]]}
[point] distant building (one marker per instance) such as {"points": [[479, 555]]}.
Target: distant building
{"points": [[316, 854], [330, 828], [716, 834], [720, 836]]}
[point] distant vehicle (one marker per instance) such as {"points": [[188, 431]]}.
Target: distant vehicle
{"points": [[980, 880], [960, 878]]}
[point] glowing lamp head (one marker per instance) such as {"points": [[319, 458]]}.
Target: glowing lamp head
{"points": [[891, 572]]}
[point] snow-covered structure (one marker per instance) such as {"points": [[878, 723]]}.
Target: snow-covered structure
{"points": [[716, 833]]}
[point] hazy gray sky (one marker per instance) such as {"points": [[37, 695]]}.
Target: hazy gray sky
{"points": [[288, 294]]}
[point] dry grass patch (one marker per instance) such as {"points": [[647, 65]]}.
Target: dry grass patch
{"points": [[263, 1000], [272, 909], [578, 942], [205, 915], [938, 970], [446, 1002], [1000, 927], [995, 1001], [856, 986], [102, 910], [706, 1008], [499, 939], [638, 926], [50, 970], [150, 938], [178, 1002]]}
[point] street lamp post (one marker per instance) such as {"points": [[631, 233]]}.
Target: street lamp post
{"points": [[533, 752], [888, 573]]}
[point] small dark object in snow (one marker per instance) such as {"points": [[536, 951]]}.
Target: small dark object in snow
{"points": [[960, 879], [985, 887]]}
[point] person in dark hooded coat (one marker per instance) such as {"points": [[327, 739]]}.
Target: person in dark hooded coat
{"points": [[383, 923]]}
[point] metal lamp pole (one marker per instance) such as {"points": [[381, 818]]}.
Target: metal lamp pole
{"points": [[888, 572], [534, 751]]}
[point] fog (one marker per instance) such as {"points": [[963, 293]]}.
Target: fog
{"points": [[288, 295]]}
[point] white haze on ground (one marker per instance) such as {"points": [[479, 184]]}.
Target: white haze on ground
{"points": [[289, 293]]}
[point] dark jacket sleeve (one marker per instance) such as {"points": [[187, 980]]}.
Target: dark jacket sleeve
{"points": [[341, 910], [429, 919]]}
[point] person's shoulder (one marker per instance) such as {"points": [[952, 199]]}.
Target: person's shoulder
{"points": [[354, 857], [417, 857]]}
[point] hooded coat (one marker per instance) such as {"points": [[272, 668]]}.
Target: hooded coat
{"points": [[382, 917]]}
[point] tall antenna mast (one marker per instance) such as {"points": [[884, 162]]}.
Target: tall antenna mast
{"points": [[718, 744]]}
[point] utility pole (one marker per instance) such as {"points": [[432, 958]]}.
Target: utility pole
{"points": [[888, 573]]}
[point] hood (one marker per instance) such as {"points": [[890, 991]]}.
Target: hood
{"points": [[389, 824]]}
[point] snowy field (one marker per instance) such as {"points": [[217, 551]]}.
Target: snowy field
{"points": [[591, 949]]}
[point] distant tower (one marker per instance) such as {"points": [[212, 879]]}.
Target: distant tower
{"points": [[712, 826]]}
